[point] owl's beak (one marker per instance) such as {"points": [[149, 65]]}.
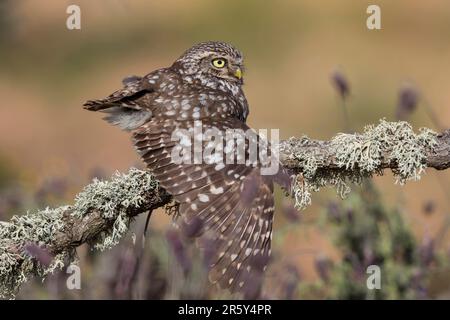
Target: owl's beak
{"points": [[238, 73]]}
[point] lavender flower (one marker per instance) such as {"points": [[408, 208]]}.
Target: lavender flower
{"points": [[290, 212], [41, 254], [334, 212], [429, 207], [426, 251], [407, 102], [126, 272], [341, 84], [178, 249], [323, 266]]}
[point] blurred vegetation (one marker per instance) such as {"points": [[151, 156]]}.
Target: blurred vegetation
{"points": [[368, 233]]}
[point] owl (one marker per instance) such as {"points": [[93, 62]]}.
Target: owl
{"points": [[232, 202]]}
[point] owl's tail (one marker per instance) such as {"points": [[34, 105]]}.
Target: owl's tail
{"points": [[96, 105], [125, 117]]}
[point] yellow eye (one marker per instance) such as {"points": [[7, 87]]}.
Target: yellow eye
{"points": [[219, 63]]}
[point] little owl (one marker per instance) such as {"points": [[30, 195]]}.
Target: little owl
{"points": [[233, 202]]}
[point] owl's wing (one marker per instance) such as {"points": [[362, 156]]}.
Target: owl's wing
{"points": [[233, 202], [126, 107]]}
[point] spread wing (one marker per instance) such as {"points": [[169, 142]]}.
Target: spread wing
{"points": [[233, 202]]}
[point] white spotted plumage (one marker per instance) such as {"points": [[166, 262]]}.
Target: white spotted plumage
{"points": [[180, 97]]}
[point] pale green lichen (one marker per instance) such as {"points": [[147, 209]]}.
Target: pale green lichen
{"points": [[39, 229], [110, 198], [361, 156]]}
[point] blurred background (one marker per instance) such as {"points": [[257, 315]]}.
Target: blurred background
{"points": [[297, 53]]}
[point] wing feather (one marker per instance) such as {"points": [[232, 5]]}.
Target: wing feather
{"points": [[233, 201], [239, 228]]}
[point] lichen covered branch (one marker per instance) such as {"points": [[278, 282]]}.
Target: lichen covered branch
{"points": [[102, 213], [100, 216], [348, 158]]}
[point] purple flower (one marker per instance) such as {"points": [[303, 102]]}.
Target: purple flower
{"points": [[429, 207], [55, 187], [41, 254], [290, 212], [426, 251], [126, 272], [334, 212], [323, 265], [178, 249], [98, 173], [407, 102], [290, 280], [341, 84]]}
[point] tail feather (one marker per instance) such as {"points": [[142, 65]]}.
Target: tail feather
{"points": [[96, 105], [125, 117]]}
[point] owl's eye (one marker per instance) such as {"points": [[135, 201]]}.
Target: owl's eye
{"points": [[219, 63]]}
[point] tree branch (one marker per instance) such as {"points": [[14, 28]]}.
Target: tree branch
{"points": [[437, 157], [100, 216], [103, 211]]}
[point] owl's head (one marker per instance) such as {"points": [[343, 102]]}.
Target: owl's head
{"points": [[212, 61]]}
